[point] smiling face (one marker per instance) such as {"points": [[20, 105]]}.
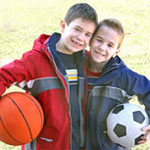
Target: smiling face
{"points": [[104, 45], [75, 36]]}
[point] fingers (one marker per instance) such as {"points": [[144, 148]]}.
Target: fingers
{"points": [[143, 140], [146, 129]]}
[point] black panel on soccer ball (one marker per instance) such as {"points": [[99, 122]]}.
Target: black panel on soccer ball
{"points": [[138, 116], [118, 109], [120, 130]]}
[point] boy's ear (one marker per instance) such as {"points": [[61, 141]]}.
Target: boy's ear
{"points": [[62, 25]]}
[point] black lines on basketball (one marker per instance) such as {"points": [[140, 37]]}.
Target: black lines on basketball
{"points": [[9, 133], [21, 118], [24, 118], [35, 105]]}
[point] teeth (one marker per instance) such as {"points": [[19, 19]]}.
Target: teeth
{"points": [[77, 43], [99, 53]]}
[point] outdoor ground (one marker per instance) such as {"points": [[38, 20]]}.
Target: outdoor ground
{"points": [[21, 21]]}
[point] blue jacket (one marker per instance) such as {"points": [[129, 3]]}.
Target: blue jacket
{"points": [[117, 84]]}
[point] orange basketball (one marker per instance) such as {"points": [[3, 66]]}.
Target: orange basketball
{"points": [[21, 118]]}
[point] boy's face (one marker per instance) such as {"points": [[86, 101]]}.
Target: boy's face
{"points": [[104, 45], [76, 36]]}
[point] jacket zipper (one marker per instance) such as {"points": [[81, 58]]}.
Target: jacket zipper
{"points": [[68, 100]]}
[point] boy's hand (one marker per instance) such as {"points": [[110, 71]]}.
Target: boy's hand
{"points": [[146, 136]]}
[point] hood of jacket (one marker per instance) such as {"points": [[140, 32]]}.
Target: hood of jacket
{"points": [[46, 45], [112, 67], [40, 42], [113, 64]]}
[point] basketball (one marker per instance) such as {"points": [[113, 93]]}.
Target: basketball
{"points": [[21, 118]]}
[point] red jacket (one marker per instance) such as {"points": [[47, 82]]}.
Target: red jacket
{"points": [[38, 73]]}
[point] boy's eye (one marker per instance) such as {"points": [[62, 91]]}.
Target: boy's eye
{"points": [[99, 40], [110, 45], [77, 29], [88, 35]]}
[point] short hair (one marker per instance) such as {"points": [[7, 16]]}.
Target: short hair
{"points": [[115, 25], [83, 11]]}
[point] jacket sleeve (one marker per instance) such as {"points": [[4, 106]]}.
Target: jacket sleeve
{"points": [[139, 85], [15, 72]]}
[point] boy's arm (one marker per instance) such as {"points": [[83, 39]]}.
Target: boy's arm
{"points": [[140, 86], [14, 72]]}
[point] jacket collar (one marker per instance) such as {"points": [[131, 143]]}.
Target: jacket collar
{"points": [[79, 56], [113, 64]]}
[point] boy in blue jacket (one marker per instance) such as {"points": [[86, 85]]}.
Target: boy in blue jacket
{"points": [[109, 83]]}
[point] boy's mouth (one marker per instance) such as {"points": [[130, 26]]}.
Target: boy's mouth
{"points": [[77, 43], [99, 53]]}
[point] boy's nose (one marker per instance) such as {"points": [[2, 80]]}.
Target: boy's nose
{"points": [[81, 36], [102, 46]]}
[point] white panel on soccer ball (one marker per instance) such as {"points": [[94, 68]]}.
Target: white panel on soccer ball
{"points": [[124, 124]]}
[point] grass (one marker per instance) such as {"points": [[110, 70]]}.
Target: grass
{"points": [[23, 21]]}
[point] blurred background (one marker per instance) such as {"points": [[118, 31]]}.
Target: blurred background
{"points": [[21, 21]]}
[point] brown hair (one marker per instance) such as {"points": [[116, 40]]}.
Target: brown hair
{"points": [[83, 11], [115, 25]]}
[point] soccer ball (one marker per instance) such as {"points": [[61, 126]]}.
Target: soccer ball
{"points": [[124, 124]]}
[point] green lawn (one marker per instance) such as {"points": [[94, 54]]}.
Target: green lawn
{"points": [[21, 21]]}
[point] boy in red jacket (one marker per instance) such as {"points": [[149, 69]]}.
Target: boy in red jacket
{"points": [[53, 72]]}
